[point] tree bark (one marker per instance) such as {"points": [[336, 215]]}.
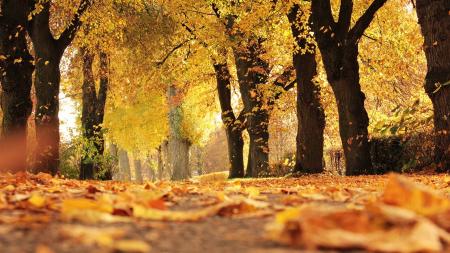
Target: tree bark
{"points": [[338, 43], [16, 69], [310, 114], [233, 126], [434, 20], [179, 158]]}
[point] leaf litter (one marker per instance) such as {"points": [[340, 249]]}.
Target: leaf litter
{"points": [[373, 213]]}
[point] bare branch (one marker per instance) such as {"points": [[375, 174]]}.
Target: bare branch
{"points": [[160, 63], [69, 33], [364, 21]]}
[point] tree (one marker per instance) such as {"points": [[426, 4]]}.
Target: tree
{"points": [[16, 70], [233, 125], [434, 19], [253, 73], [178, 145], [48, 54], [93, 112], [124, 165], [138, 170], [338, 44], [310, 114]]}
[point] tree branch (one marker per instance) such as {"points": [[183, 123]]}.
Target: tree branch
{"points": [[345, 16], [283, 79], [160, 63], [321, 9], [364, 21], [69, 33]]}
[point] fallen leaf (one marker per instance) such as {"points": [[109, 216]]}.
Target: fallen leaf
{"points": [[404, 193], [132, 246]]}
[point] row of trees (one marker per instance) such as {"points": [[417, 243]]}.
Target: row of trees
{"points": [[163, 47]]}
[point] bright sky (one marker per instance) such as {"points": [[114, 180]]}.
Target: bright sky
{"points": [[68, 115]]}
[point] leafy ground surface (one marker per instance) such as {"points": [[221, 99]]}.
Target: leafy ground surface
{"points": [[42, 214]]}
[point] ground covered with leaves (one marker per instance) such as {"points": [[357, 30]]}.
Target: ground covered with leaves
{"points": [[391, 213]]}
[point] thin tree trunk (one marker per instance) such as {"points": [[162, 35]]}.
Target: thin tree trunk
{"points": [[92, 115], [160, 163], [16, 69], [124, 166], [138, 170], [88, 115], [178, 146], [434, 19], [113, 151], [233, 127], [310, 114]]}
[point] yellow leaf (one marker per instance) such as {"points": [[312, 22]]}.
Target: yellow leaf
{"points": [[9, 188], [70, 205], [252, 192], [37, 200], [132, 246]]}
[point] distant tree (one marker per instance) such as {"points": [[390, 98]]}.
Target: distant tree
{"points": [[434, 19], [138, 170], [124, 165], [93, 111], [178, 144]]}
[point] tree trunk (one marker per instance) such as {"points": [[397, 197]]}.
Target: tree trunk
{"points": [[124, 166], [434, 20], [48, 53], [258, 131], [47, 79], [16, 71], [114, 153], [179, 158], [338, 44], [160, 163], [353, 117], [88, 116], [138, 170], [178, 146], [92, 115], [252, 71], [233, 127], [310, 114]]}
